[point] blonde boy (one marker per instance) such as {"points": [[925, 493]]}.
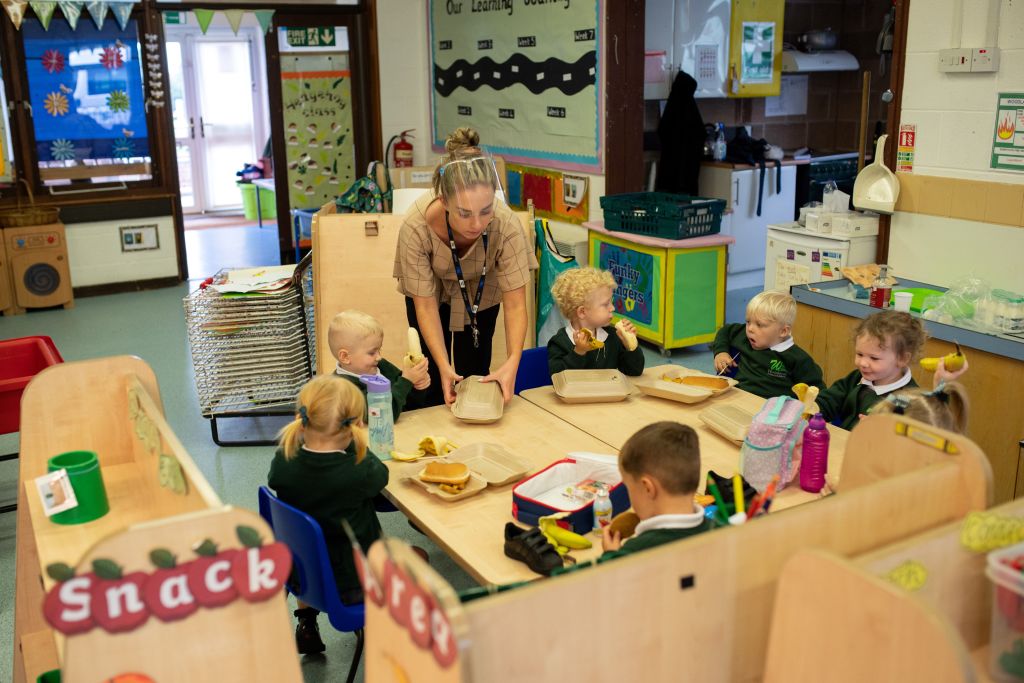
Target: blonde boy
{"points": [[768, 360], [355, 339], [660, 467], [584, 296]]}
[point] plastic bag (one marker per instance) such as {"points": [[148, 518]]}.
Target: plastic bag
{"points": [[552, 264], [959, 304]]}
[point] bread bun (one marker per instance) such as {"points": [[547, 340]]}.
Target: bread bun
{"points": [[624, 523], [454, 473], [629, 339], [706, 381]]}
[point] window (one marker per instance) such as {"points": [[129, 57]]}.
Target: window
{"points": [[88, 103]]}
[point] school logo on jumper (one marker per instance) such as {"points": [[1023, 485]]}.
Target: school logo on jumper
{"points": [[776, 368]]}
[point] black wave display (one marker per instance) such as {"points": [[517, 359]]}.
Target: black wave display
{"points": [[567, 78]]}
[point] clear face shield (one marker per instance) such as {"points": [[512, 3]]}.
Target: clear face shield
{"points": [[471, 189]]}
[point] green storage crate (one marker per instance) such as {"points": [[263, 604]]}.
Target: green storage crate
{"points": [[662, 214], [267, 199]]}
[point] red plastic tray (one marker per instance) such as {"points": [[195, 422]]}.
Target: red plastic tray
{"points": [[20, 360]]}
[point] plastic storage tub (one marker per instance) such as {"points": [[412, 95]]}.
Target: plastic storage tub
{"points": [[20, 360], [664, 215], [1006, 645], [250, 195]]}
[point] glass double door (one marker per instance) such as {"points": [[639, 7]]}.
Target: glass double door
{"points": [[218, 100]]}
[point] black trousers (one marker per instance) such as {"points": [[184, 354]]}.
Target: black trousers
{"points": [[469, 360]]}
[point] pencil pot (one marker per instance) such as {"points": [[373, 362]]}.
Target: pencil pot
{"points": [[1006, 645], [768, 447], [83, 468]]}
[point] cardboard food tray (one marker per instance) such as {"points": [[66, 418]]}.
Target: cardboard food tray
{"points": [[478, 403], [491, 462], [728, 420], [679, 371], [475, 485], [591, 386], [652, 384]]}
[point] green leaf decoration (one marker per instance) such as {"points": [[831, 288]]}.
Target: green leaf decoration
{"points": [[107, 569], [163, 558], [205, 549], [58, 571], [249, 537]]}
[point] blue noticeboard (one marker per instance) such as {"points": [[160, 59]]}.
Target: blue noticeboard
{"points": [[85, 87]]}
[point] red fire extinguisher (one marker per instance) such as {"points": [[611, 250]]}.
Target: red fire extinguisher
{"points": [[402, 151]]}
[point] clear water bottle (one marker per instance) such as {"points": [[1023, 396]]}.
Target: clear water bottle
{"points": [[602, 509], [378, 408], [814, 455], [720, 147]]}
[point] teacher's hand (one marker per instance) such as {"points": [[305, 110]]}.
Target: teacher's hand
{"points": [[505, 376], [449, 378]]}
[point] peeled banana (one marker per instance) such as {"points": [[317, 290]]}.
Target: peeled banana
{"points": [[415, 354], [559, 537], [952, 361], [629, 338]]}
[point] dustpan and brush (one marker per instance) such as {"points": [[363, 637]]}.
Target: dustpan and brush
{"points": [[876, 188]]}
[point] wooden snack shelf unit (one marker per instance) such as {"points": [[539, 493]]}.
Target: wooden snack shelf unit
{"points": [[122, 403]]}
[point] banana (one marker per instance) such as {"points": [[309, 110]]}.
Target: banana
{"points": [[800, 390], [415, 354], [630, 338], [559, 536], [406, 457], [436, 445], [952, 361]]}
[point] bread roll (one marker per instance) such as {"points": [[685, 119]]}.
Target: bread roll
{"points": [[454, 473], [706, 381], [625, 523], [629, 339]]}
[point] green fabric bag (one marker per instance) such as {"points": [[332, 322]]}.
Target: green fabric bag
{"points": [[552, 263], [366, 195]]}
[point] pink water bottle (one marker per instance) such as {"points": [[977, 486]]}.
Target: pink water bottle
{"points": [[814, 455]]}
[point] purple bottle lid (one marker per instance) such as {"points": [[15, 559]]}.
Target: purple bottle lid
{"points": [[817, 422], [378, 384]]}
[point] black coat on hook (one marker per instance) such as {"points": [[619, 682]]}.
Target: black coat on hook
{"points": [[681, 131]]}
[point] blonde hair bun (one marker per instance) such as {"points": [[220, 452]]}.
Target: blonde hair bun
{"points": [[461, 139]]}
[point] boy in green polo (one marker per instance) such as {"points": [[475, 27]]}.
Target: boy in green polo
{"points": [[355, 339], [660, 467], [768, 361]]}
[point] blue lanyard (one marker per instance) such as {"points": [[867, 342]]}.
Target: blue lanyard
{"points": [[470, 310]]}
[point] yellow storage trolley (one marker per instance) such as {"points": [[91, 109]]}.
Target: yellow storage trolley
{"points": [[672, 290]]}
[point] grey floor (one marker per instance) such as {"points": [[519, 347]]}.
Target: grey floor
{"points": [[151, 325]]}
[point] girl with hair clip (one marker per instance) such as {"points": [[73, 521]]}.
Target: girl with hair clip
{"points": [[323, 467], [461, 255], [946, 407]]}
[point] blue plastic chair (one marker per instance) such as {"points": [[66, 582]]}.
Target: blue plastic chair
{"points": [[533, 370], [312, 579]]}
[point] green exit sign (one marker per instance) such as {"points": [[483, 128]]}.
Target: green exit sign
{"points": [[313, 36], [174, 18]]}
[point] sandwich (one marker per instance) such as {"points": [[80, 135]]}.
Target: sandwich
{"points": [[591, 339], [454, 474], [628, 338]]}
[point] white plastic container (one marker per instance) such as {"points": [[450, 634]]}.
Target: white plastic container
{"points": [[1006, 644]]}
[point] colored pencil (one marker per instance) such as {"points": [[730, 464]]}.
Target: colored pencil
{"points": [[769, 493], [755, 504], [721, 511], [726, 368], [737, 493]]}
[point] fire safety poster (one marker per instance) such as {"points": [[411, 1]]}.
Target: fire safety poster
{"points": [[524, 73], [1008, 139]]}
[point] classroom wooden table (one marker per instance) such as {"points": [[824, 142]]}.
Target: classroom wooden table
{"points": [[471, 530], [613, 423]]}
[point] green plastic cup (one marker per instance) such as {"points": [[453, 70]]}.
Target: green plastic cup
{"points": [[83, 468]]}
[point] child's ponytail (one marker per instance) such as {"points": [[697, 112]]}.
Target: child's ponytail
{"points": [[290, 437], [957, 405], [945, 408]]}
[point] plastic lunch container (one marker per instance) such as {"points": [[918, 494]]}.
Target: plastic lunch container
{"points": [[1006, 646]]}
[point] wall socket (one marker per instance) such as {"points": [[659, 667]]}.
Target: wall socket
{"points": [[969, 60], [139, 237]]}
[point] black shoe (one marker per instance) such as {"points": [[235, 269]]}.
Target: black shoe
{"points": [[533, 548], [307, 633]]}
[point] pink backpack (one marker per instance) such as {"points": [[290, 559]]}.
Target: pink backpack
{"points": [[768, 448]]}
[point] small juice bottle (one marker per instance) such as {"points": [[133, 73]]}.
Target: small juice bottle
{"points": [[602, 509]]}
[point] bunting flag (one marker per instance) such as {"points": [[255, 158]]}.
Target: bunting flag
{"points": [[98, 11], [71, 11], [234, 17], [16, 11], [44, 11], [264, 16], [122, 12], [203, 18]]}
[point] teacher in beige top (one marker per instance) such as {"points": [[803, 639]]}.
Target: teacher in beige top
{"points": [[461, 255]]}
